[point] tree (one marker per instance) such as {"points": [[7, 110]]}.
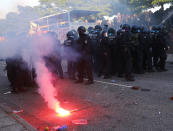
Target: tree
{"points": [[139, 5], [53, 6], [48, 7], [161, 2]]}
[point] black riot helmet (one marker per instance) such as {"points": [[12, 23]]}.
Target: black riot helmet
{"points": [[81, 30], [70, 35], [111, 31], [159, 28], [90, 29], [141, 28], [146, 31], [98, 28], [134, 29], [154, 28], [126, 27], [104, 34], [75, 34]]}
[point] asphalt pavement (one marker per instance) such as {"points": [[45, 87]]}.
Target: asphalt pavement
{"points": [[107, 105]]}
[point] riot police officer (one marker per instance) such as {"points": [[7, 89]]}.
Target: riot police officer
{"points": [[17, 73], [145, 40], [69, 49], [137, 50], [124, 53], [104, 67], [90, 30], [159, 49], [95, 47], [105, 27], [112, 47], [76, 36], [83, 48]]}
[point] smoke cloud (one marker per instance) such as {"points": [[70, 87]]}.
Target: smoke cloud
{"points": [[32, 50], [44, 46], [46, 90], [7, 6]]}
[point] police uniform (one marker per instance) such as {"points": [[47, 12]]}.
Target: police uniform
{"points": [[84, 50], [69, 48], [159, 50], [112, 46], [137, 51], [125, 64]]}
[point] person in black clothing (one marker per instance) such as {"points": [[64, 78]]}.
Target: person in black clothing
{"points": [[90, 30], [105, 27], [104, 67], [17, 73], [91, 34], [84, 50], [137, 51], [94, 42], [112, 46], [124, 53], [145, 40], [17, 69], [76, 36], [159, 49], [69, 49], [11, 72]]}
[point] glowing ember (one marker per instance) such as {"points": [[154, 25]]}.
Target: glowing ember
{"points": [[62, 112]]}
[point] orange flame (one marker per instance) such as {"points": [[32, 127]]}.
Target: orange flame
{"points": [[61, 112]]}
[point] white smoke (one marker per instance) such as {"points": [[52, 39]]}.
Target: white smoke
{"points": [[46, 90], [44, 46], [7, 6], [32, 51]]}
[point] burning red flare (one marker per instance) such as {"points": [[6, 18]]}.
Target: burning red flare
{"points": [[61, 112]]}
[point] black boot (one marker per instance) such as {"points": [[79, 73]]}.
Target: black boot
{"points": [[89, 82], [150, 70], [107, 77], [79, 81], [120, 75], [130, 78], [163, 69], [158, 69]]}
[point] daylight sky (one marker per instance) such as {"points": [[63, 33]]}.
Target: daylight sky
{"points": [[11, 5], [166, 6]]}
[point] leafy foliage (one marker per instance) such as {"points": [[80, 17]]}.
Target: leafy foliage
{"points": [[158, 2], [20, 21]]}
